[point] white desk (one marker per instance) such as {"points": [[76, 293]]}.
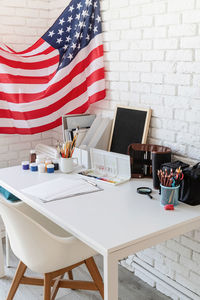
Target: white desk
{"points": [[116, 222]]}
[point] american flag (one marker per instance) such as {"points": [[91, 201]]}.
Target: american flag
{"points": [[62, 73]]}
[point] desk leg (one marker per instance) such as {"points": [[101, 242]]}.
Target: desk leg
{"points": [[2, 271], [110, 278]]}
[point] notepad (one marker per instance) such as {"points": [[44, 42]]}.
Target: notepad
{"points": [[61, 188]]}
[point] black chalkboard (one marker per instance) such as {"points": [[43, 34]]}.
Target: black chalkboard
{"points": [[130, 126]]}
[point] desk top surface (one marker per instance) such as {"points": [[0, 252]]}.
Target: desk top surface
{"points": [[107, 220]]}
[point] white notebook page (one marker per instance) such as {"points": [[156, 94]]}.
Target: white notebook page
{"points": [[61, 188]]}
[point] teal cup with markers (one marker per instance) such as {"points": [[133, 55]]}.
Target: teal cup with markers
{"points": [[169, 195]]}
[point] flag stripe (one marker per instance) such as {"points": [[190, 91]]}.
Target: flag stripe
{"points": [[76, 92], [49, 121], [36, 58], [30, 65], [45, 101], [54, 87]]}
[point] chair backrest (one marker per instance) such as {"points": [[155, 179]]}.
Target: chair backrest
{"points": [[30, 242]]}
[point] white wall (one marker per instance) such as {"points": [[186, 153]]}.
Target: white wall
{"points": [[152, 56]]}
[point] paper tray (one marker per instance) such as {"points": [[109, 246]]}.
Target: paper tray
{"points": [[113, 168]]}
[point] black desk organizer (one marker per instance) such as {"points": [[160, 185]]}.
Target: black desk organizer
{"points": [[146, 159]]}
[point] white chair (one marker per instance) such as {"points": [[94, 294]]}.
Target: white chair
{"points": [[44, 247]]}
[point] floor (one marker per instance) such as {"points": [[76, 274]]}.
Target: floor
{"points": [[130, 287]]}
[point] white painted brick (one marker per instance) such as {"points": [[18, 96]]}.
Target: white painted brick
{"points": [[132, 34], [129, 12], [190, 42], [164, 67], [196, 257], [177, 102], [178, 5], [12, 21], [188, 67], [117, 66], [140, 67], [166, 291], [163, 89], [110, 15], [168, 136], [3, 149], [7, 29], [195, 277], [26, 12], [193, 92], [119, 45], [151, 77], [162, 268], [112, 56], [197, 235], [153, 8], [151, 99], [112, 76], [147, 259], [165, 44], [144, 277], [118, 3], [36, 23], [191, 16], [36, 4], [104, 5], [130, 55], [121, 86], [123, 24], [191, 265], [130, 76], [167, 19], [111, 36], [188, 283], [183, 79], [182, 30], [157, 55], [142, 21], [141, 44], [179, 55], [140, 87], [7, 11], [184, 251], [177, 267], [14, 3], [155, 32], [190, 244], [28, 31], [196, 80]]}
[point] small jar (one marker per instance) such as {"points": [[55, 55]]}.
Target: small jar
{"points": [[41, 168], [50, 168], [25, 165], [33, 167], [32, 156]]}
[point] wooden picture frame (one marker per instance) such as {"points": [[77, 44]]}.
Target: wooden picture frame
{"points": [[130, 125]]}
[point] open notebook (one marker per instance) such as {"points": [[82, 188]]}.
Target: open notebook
{"points": [[61, 188]]}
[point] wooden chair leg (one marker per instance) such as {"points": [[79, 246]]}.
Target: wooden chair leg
{"points": [[47, 286], [96, 276], [56, 287], [16, 281], [70, 274]]}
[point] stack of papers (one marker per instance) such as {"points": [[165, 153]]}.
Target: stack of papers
{"points": [[61, 188]]}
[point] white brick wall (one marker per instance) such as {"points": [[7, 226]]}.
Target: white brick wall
{"points": [[152, 58]]}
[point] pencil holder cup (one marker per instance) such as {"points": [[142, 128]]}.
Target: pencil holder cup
{"points": [[67, 164], [169, 195]]}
